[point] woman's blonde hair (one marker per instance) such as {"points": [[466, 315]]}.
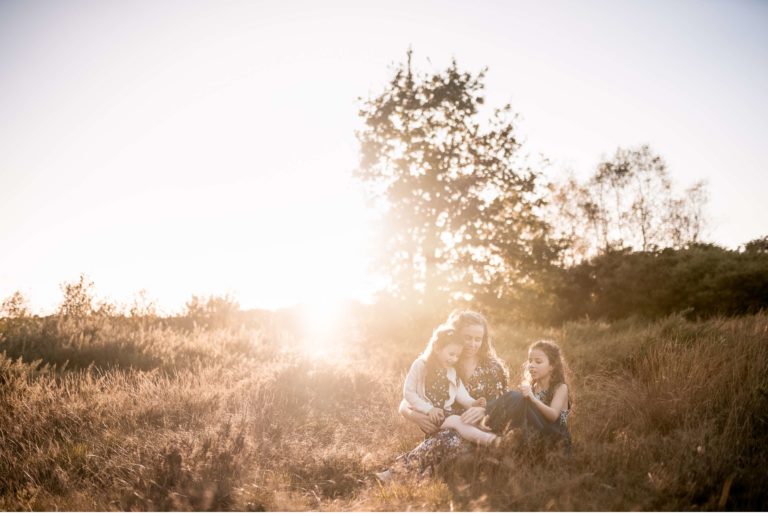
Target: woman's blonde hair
{"points": [[460, 319]]}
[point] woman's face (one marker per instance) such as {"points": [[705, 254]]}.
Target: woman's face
{"points": [[473, 339]]}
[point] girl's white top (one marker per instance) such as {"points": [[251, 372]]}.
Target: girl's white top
{"points": [[414, 389]]}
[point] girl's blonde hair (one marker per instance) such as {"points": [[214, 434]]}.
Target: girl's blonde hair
{"points": [[560, 371], [443, 336]]}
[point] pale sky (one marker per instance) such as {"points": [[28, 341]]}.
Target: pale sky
{"points": [[206, 147]]}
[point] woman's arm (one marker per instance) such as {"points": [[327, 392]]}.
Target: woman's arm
{"points": [[559, 402], [421, 420]]}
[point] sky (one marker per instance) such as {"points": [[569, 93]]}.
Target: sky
{"points": [[207, 147]]}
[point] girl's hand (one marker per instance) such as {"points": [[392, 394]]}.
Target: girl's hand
{"points": [[526, 391], [473, 415], [436, 415], [479, 402]]}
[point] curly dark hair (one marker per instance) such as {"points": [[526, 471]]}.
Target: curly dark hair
{"points": [[560, 371]]}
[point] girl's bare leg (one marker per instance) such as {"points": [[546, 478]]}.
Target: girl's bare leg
{"points": [[469, 432]]}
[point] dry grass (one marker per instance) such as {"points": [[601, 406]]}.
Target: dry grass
{"points": [[129, 414]]}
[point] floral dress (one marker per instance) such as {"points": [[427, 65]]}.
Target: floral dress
{"points": [[437, 386], [489, 381]]}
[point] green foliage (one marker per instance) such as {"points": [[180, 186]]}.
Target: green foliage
{"points": [[758, 245], [462, 218], [459, 209], [701, 280]]}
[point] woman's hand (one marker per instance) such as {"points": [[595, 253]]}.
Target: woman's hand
{"points": [[421, 420], [479, 402], [436, 415], [473, 415], [425, 424]]}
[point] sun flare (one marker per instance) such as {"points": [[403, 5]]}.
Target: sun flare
{"points": [[323, 325]]}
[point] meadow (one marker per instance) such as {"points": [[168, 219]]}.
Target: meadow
{"points": [[261, 413]]}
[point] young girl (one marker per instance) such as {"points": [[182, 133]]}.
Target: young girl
{"points": [[543, 402], [432, 386]]}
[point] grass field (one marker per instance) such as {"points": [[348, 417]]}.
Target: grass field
{"points": [[112, 413]]}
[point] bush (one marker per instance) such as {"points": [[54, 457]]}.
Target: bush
{"points": [[700, 281], [214, 311]]}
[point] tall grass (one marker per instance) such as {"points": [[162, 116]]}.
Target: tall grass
{"points": [[109, 413]]}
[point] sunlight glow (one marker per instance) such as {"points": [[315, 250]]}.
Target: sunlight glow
{"points": [[323, 327]]}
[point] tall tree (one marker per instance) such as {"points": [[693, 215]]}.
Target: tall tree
{"points": [[458, 208], [628, 203]]}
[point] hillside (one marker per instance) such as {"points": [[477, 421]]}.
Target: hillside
{"points": [[144, 414]]}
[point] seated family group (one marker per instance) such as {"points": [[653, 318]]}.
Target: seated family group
{"points": [[457, 392]]}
